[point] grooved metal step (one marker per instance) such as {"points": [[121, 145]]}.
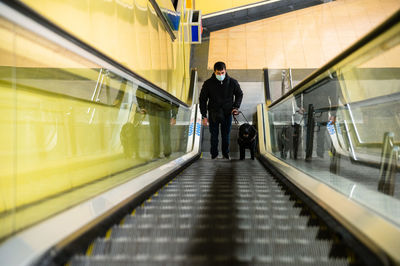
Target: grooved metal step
{"points": [[215, 213]]}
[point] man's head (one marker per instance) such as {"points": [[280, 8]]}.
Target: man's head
{"points": [[220, 70]]}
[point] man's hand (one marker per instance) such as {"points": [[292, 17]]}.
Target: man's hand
{"points": [[235, 112], [205, 121], [143, 111], [173, 121]]}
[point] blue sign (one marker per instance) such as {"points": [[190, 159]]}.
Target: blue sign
{"points": [[191, 129], [331, 128], [198, 129]]}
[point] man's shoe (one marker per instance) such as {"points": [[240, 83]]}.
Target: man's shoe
{"points": [[226, 156], [214, 156]]}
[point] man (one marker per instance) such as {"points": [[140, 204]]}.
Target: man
{"points": [[221, 96]]}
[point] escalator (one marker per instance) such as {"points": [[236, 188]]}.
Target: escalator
{"points": [[97, 211], [216, 212]]}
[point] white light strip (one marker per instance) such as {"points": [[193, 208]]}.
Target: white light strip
{"points": [[354, 124]]}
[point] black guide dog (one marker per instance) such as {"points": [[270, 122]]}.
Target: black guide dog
{"points": [[247, 138]]}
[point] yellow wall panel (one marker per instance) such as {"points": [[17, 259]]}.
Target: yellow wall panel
{"points": [[127, 31], [103, 26], [76, 20], [125, 34], [154, 44]]}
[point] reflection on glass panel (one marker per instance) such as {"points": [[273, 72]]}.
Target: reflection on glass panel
{"points": [[152, 122], [346, 123], [71, 129], [8, 101]]}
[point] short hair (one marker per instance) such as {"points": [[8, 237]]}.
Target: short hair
{"points": [[219, 66]]}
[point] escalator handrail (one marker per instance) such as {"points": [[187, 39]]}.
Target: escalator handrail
{"points": [[31, 14], [162, 18], [386, 25]]}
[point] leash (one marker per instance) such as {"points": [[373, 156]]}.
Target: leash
{"points": [[237, 122]]}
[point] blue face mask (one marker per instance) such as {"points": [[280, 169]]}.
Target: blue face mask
{"points": [[220, 77]]}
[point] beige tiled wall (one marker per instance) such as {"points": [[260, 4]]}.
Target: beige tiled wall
{"points": [[307, 38]]}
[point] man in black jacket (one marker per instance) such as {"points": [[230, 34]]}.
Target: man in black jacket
{"points": [[221, 96]]}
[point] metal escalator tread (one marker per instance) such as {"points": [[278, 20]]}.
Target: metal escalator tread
{"points": [[214, 213]]}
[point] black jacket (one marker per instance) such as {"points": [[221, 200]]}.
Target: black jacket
{"points": [[216, 94]]}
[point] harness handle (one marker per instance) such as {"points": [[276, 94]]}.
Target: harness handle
{"points": [[235, 119], [237, 122]]}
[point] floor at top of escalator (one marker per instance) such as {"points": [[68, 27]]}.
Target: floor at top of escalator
{"points": [[216, 212]]}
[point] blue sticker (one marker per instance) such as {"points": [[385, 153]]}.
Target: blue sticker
{"points": [[331, 128], [198, 129], [190, 129]]}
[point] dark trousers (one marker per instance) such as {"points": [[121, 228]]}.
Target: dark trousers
{"points": [[226, 125]]}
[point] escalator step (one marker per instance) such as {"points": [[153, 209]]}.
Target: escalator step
{"points": [[168, 260], [175, 231], [216, 213], [216, 246]]}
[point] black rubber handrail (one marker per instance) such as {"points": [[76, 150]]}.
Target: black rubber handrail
{"points": [[163, 19]]}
